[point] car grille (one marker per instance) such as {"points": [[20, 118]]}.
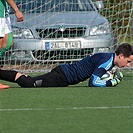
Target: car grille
{"points": [[56, 33], [61, 54]]}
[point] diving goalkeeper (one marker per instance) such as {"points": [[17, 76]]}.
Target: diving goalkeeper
{"points": [[92, 67]]}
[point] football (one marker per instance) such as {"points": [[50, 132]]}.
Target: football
{"points": [[107, 76]]}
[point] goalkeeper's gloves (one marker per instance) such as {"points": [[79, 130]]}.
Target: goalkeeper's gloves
{"points": [[115, 81], [118, 76]]}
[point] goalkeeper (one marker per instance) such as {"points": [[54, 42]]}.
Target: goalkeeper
{"points": [[93, 67]]}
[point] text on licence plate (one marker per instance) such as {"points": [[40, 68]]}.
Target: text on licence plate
{"points": [[65, 45]]}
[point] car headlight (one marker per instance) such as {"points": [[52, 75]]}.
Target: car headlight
{"points": [[22, 33], [101, 29]]}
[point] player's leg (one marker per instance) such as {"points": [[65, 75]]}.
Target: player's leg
{"points": [[16, 77], [55, 78], [1, 41], [2, 30], [2, 34], [7, 43], [8, 38]]}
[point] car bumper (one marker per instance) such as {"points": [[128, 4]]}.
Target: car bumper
{"points": [[23, 48]]}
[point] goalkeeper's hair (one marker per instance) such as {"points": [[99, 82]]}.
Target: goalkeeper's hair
{"points": [[125, 49]]}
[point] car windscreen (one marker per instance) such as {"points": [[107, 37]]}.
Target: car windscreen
{"points": [[38, 6]]}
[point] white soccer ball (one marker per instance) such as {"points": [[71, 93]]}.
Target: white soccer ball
{"points": [[107, 76]]}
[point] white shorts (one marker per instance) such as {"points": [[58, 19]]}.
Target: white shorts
{"points": [[5, 26]]}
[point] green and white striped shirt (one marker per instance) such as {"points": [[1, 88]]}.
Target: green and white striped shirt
{"points": [[4, 9]]}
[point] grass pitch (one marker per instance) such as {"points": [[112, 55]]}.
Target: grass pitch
{"points": [[73, 109]]}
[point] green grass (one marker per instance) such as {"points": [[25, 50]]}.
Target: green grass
{"points": [[73, 109]]}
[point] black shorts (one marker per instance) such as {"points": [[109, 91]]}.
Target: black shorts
{"points": [[55, 78]]}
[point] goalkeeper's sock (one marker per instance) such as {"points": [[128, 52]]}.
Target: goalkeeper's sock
{"points": [[8, 75]]}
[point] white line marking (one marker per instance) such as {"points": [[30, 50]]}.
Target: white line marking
{"points": [[74, 108]]}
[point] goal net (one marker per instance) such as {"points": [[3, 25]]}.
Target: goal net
{"points": [[60, 31]]}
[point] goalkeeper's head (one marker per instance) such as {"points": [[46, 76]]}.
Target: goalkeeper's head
{"points": [[123, 55]]}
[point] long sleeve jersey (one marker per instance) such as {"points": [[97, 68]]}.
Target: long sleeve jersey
{"points": [[93, 67]]}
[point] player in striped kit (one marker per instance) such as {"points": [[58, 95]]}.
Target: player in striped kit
{"points": [[6, 37]]}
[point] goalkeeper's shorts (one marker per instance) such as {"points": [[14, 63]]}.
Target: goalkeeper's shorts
{"points": [[55, 78]]}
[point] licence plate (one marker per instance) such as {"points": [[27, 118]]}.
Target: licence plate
{"points": [[64, 45]]}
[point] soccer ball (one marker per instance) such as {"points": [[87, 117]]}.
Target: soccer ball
{"points": [[107, 76]]}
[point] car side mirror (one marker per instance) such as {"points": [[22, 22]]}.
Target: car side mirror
{"points": [[99, 5]]}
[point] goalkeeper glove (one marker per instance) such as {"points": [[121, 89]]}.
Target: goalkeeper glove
{"points": [[115, 81], [117, 78], [118, 74]]}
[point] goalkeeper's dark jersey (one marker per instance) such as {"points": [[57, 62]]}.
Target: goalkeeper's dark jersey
{"points": [[93, 67]]}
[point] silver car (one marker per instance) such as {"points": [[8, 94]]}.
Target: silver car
{"points": [[65, 30]]}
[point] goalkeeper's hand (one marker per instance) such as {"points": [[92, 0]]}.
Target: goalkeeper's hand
{"points": [[118, 76]]}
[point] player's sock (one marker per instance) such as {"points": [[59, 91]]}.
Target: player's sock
{"points": [[8, 75], [2, 51], [1, 56], [9, 41]]}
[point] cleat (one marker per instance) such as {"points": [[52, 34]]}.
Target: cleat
{"points": [[3, 86]]}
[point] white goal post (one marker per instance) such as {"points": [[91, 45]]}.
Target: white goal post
{"points": [[60, 31]]}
